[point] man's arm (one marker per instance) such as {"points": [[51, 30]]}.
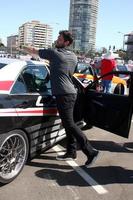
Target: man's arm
{"points": [[30, 50], [42, 53]]}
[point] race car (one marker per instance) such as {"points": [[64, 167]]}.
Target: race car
{"points": [[29, 119]]}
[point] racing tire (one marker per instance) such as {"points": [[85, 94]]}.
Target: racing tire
{"points": [[119, 89], [14, 150]]}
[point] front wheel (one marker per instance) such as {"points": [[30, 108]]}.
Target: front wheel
{"points": [[14, 149]]}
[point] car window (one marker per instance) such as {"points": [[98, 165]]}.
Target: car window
{"points": [[33, 79], [83, 68], [19, 86], [122, 68], [117, 86], [36, 79]]}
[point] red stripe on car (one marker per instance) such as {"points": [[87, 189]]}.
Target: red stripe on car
{"points": [[5, 85], [19, 111], [49, 111]]}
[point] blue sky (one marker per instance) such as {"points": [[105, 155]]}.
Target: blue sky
{"points": [[113, 16]]}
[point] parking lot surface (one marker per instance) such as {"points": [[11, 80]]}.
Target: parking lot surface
{"points": [[110, 177]]}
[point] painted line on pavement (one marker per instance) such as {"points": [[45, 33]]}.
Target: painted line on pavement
{"points": [[98, 188]]}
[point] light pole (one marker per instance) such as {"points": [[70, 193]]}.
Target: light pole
{"points": [[123, 35]]}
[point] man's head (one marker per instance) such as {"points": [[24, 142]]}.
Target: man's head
{"points": [[64, 39]]}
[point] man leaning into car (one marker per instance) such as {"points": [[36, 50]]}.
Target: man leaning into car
{"points": [[62, 66]]}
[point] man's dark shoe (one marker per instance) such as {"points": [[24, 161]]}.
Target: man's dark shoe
{"points": [[92, 158], [66, 157]]}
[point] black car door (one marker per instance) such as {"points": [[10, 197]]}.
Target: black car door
{"points": [[110, 111]]}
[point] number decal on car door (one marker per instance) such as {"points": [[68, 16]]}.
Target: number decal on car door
{"points": [[38, 102]]}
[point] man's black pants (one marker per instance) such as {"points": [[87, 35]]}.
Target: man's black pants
{"points": [[65, 105]]}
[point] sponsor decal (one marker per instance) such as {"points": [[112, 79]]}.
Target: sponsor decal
{"points": [[38, 102]]}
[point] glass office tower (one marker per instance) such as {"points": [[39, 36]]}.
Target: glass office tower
{"points": [[82, 23]]}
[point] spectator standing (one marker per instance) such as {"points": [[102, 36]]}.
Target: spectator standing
{"points": [[107, 65]]}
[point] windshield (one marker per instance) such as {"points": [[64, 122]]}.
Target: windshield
{"points": [[83, 68], [122, 68]]}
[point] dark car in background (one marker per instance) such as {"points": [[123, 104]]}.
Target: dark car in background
{"points": [[29, 119]]}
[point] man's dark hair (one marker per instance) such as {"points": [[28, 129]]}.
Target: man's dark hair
{"points": [[67, 36]]}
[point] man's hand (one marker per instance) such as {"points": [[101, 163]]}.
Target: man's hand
{"points": [[29, 49]]}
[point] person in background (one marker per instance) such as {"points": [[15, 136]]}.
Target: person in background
{"points": [[107, 65], [62, 66]]}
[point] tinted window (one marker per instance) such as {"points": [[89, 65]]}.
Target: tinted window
{"points": [[118, 86], [36, 79], [33, 79], [19, 86], [83, 68]]}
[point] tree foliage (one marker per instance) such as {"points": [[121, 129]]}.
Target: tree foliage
{"points": [[1, 44]]}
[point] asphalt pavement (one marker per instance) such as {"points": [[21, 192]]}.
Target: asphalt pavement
{"points": [[110, 177]]}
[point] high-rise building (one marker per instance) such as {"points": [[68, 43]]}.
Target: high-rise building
{"points": [[36, 34], [82, 23], [129, 43]]}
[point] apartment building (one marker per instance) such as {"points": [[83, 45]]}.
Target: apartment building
{"points": [[12, 44], [82, 23], [36, 34]]}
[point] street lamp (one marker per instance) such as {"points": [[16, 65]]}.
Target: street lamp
{"points": [[123, 39]]}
